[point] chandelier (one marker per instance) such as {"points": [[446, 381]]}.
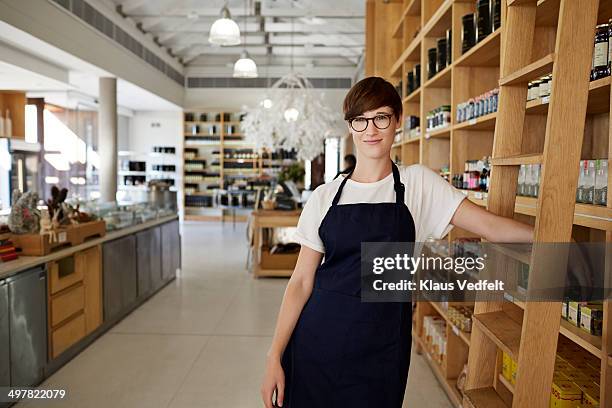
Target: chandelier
{"points": [[292, 116]]}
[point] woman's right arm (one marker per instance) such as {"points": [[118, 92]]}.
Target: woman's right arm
{"points": [[297, 293]]}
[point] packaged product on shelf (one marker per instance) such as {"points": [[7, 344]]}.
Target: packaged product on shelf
{"points": [[564, 307], [495, 14], [600, 196], [513, 370], [573, 313], [506, 366], [432, 62], [479, 106], [417, 76], [410, 84], [586, 182], [468, 33], [545, 86], [590, 394], [483, 19], [441, 63], [449, 46], [521, 180], [535, 179], [591, 318], [565, 394], [600, 53]]}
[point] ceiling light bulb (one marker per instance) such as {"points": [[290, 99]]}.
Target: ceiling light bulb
{"points": [[267, 103], [224, 31], [245, 67], [291, 114]]}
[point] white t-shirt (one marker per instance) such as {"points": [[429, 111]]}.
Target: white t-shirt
{"points": [[432, 201]]}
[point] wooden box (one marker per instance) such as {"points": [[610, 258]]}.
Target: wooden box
{"points": [[39, 245], [277, 261]]}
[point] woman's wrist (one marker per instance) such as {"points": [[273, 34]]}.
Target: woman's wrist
{"points": [[274, 355]]}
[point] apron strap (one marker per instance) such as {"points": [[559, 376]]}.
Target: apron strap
{"points": [[397, 186], [339, 192]]}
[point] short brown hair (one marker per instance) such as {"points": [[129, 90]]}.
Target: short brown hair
{"points": [[371, 93]]}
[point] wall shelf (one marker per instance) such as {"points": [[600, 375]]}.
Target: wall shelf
{"points": [[484, 54]]}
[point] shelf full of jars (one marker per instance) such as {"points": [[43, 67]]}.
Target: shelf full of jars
{"points": [[137, 169]]}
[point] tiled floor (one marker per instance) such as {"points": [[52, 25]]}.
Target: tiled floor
{"points": [[200, 342]]}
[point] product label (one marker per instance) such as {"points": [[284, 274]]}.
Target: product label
{"points": [[600, 55], [545, 100], [61, 237]]}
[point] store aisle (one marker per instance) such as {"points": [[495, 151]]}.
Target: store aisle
{"points": [[200, 342]]}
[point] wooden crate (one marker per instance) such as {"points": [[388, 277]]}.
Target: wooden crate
{"points": [[277, 261], [39, 245]]}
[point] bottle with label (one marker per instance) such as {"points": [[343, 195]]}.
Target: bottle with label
{"points": [[8, 124], [1, 126], [600, 53]]}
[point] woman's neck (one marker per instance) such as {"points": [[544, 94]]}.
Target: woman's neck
{"points": [[371, 170]]}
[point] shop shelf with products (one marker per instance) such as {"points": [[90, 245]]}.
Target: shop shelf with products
{"points": [[475, 71]]}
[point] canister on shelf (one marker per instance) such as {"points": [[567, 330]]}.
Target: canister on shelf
{"points": [[468, 32], [483, 19], [441, 64], [417, 76], [545, 83], [432, 55], [449, 46], [573, 313], [410, 82], [591, 318], [495, 14]]}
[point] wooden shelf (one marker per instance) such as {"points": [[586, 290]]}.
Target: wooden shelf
{"points": [[414, 8], [484, 54], [590, 343], [517, 160], [483, 398], [506, 383], [502, 330], [438, 133], [413, 97], [532, 71], [449, 385], [441, 80], [486, 122], [411, 53], [440, 21], [466, 337], [547, 13]]}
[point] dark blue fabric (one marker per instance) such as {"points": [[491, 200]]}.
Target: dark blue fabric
{"points": [[345, 353]]}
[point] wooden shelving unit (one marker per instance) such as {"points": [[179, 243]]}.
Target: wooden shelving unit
{"points": [[408, 29], [15, 103]]}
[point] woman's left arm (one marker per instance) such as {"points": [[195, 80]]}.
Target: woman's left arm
{"points": [[489, 226]]}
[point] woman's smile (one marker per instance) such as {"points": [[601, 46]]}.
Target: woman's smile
{"points": [[372, 141]]}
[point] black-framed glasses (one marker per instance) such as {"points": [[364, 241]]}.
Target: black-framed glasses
{"points": [[380, 121]]}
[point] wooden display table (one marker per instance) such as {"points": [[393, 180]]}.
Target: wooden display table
{"points": [[261, 219]]}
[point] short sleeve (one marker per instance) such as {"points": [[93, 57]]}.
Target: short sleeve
{"points": [[440, 200], [307, 232]]}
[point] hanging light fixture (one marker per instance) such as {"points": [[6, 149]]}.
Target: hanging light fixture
{"points": [[224, 31], [245, 67]]}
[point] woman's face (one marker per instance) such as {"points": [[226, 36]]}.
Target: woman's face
{"points": [[374, 141]]}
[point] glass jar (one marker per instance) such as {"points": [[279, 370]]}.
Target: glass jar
{"points": [[600, 53], [410, 82], [495, 14], [449, 46], [417, 76]]}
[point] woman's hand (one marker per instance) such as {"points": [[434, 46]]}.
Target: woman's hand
{"points": [[274, 379]]}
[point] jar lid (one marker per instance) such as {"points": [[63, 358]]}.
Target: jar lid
{"points": [[602, 25]]}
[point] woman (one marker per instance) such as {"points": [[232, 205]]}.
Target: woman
{"points": [[329, 349]]}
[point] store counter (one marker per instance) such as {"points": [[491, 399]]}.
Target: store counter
{"points": [[58, 304], [264, 263]]}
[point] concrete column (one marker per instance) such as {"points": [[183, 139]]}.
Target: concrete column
{"points": [[107, 138]]}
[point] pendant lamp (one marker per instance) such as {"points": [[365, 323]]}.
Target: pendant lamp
{"points": [[224, 31], [245, 67]]}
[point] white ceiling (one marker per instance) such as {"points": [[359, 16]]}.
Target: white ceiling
{"points": [[24, 57], [316, 32]]}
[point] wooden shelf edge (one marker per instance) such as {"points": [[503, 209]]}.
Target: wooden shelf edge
{"points": [[506, 383], [437, 16], [440, 79], [413, 95], [451, 391], [590, 343], [517, 160], [477, 124], [484, 398], [502, 330], [532, 71], [485, 46], [414, 8], [443, 133]]}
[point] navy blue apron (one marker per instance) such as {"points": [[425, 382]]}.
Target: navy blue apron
{"points": [[345, 353]]}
